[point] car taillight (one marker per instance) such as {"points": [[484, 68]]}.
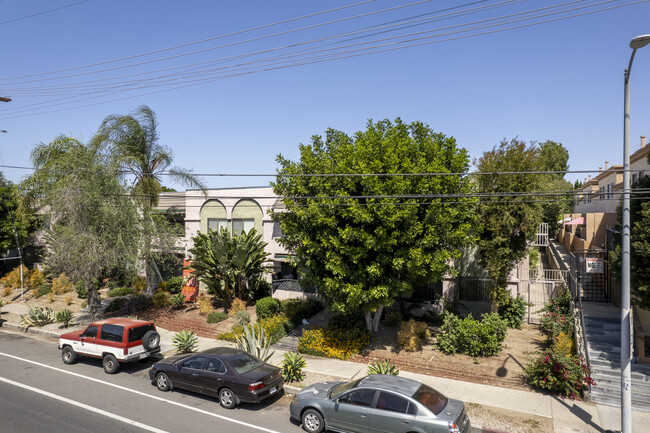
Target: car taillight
{"points": [[453, 428], [256, 385], [126, 351]]}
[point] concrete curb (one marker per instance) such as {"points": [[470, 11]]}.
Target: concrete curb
{"points": [[37, 331]]}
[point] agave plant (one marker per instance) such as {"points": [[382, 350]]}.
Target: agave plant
{"points": [[292, 367], [185, 341], [383, 367], [65, 316], [38, 316], [255, 342]]}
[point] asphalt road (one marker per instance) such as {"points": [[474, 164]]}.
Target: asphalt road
{"points": [[38, 393]]}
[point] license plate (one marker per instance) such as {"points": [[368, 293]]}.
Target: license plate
{"points": [[273, 390]]}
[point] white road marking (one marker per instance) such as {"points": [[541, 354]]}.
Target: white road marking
{"points": [[144, 394], [83, 406]]}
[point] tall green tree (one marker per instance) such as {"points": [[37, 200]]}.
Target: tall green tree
{"points": [[230, 266], [509, 215], [554, 157], [133, 140], [364, 241], [639, 244], [95, 225]]}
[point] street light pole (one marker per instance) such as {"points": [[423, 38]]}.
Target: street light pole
{"points": [[626, 322]]}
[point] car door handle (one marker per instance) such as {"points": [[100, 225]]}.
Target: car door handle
{"points": [[195, 374], [406, 422], [364, 416]]}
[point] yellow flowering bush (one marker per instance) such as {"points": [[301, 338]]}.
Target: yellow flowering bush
{"points": [[275, 328], [333, 342], [62, 284]]}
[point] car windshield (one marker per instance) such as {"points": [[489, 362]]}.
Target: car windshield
{"points": [[343, 387], [176, 361], [136, 334], [243, 362], [431, 398]]}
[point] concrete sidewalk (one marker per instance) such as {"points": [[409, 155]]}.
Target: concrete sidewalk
{"points": [[568, 416]]}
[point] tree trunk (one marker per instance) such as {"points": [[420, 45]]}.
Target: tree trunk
{"points": [[372, 319], [94, 302]]}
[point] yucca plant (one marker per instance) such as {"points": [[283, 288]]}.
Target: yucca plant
{"points": [[383, 367], [65, 316], [38, 316], [255, 342], [185, 341], [292, 366], [2, 303]]}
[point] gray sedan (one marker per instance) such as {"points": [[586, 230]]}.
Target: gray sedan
{"points": [[378, 404]]}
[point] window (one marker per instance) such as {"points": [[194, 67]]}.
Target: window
{"points": [[215, 366], [136, 334], [634, 177], [431, 398], [195, 362], [602, 192], [112, 332], [362, 397], [91, 332], [239, 225], [217, 224], [243, 362], [394, 403]]}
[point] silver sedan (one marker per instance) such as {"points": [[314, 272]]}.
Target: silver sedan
{"points": [[378, 404]]}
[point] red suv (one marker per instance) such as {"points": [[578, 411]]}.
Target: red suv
{"points": [[113, 340]]}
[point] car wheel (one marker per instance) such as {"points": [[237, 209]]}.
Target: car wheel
{"points": [[111, 366], [68, 355], [312, 421], [163, 382], [151, 340], [227, 398]]}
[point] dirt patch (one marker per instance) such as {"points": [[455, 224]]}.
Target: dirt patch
{"points": [[507, 420], [505, 369]]}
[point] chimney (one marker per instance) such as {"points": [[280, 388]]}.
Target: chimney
{"points": [[585, 180], [606, 165], [642, 141], [600, 169], [589, 178]]}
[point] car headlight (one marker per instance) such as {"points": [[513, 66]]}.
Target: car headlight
{"points": [[296, 400]]}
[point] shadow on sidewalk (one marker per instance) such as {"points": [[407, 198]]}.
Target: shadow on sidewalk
{"points": [[580, 414]]}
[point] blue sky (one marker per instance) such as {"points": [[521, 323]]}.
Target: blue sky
{"points": [[561, 80]]}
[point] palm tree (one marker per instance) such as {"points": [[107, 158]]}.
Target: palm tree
{"points": [[133, 140], [230, 266]]}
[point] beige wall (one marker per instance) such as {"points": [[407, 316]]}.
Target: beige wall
{"points": [[593, 235]]}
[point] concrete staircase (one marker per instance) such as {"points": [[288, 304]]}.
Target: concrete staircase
{"points": [[603, 329]]}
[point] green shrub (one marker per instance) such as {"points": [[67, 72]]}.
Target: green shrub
{"points": [[554, 323], [560, 373], [216, 317], [178, 300], [175, 285], [350, 321], [115, 305], [296, 309], [138, 303], [80, 288], [185, 341], [65, 316], [162, 299], [393, 319], [292, 366], [38, 316], [43, 290], [513, 311], [119, 291], [412, 335], [472, 337], [112, 285], [383, 367], [267, 307]]}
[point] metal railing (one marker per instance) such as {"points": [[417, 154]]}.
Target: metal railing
{"points": [[291, 285]]}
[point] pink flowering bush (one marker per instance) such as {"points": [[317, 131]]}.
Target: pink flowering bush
{"points": [[560, 373]]}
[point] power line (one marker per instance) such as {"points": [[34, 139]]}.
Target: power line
{"points": [[43, 12]]}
